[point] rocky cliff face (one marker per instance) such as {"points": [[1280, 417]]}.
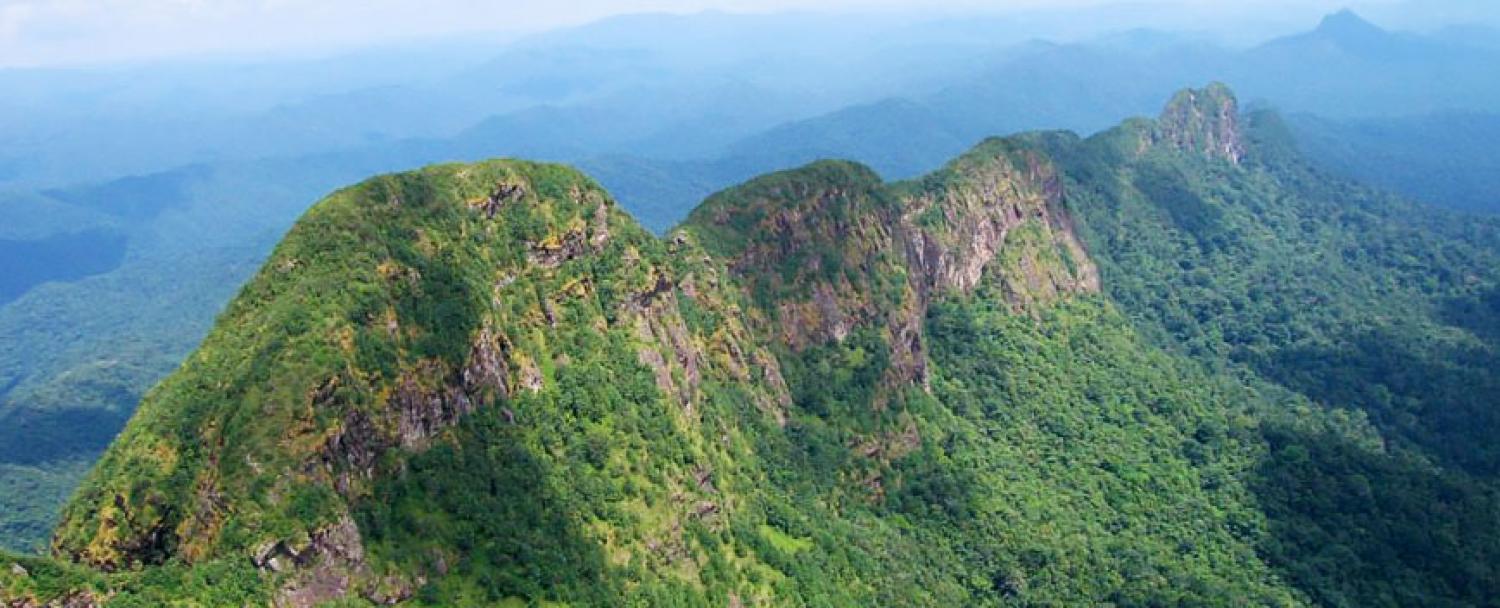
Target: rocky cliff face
{"points": [[392, 312], [960, 220], [814, 248], [1204, 121], [828, 248], [400, 307]]}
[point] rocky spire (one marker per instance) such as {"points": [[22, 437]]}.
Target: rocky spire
{"points": [[1204, 121]]}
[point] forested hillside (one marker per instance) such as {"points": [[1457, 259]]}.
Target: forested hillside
{"points": [[1374, 309], [1169, 364], [662, 110]]}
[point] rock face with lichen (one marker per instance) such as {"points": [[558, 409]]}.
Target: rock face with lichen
{"points": [[1203, 121], [829, 248]]}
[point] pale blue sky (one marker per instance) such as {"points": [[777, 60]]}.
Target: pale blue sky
{"points": [[60, 32]]}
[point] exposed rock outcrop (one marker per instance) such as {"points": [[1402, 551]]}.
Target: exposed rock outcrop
{"points": [[504, 192], [1204, 121], [327, 567], [667, 346], [76, 599], [828, 249], [554, 250]]}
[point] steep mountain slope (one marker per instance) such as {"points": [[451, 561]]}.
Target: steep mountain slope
{"points": [[491, 353], [1262, 232], [72, 371], [1168, 364], [394, 309], [557, 100], [80, 354], [947, 360], [1361, 303]]}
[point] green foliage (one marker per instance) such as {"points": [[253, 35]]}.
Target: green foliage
{"points": [[839, 380], [43, 579], [795, 231], [402, 244], [491, 507], [725, 221], [1080, 466], [1297, 281], [1358, 527], [49, 582], [503, 509], [1282, 398]]}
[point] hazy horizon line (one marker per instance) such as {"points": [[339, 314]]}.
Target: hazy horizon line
{"points": [[293, 46]]}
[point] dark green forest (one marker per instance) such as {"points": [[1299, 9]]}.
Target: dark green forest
{"points": [[1370, 308], [1171, 364]]}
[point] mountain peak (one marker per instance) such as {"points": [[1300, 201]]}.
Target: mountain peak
{"points": [[830, 250], [1345, 20], [1348, 28], [1203, 120]]}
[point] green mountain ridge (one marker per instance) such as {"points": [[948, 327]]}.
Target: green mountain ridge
{"points": [[1058, 371], [192, 234]]}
